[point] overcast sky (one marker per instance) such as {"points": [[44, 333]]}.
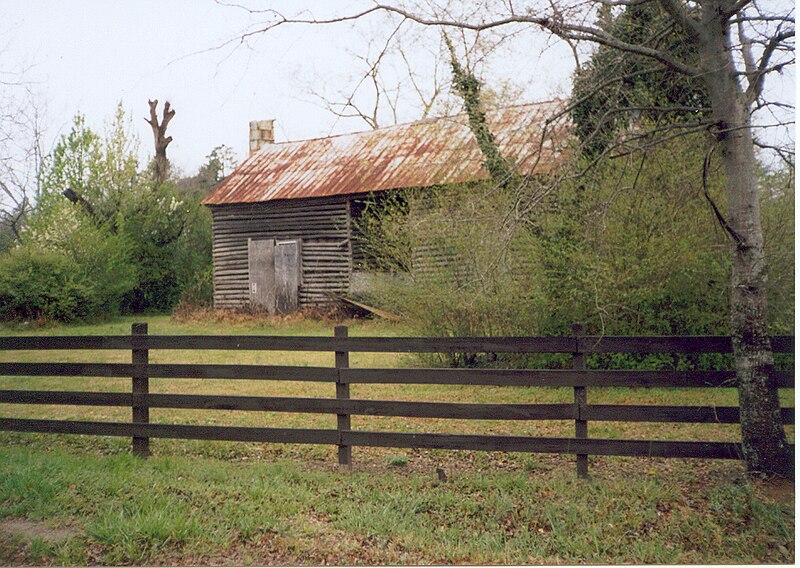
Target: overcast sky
{"points": [[86, 56]]}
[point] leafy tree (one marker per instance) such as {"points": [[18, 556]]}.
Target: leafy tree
{"points": [[614, 88], [142, 244], [93, 171], [219, 163]]}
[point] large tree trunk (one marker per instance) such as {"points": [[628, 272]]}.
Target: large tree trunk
{"points": [[763, 438]]}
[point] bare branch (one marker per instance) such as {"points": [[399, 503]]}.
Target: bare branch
{"points": [[20, 152], [744, 19], [756, 79], [785, 154], [557, 26]]}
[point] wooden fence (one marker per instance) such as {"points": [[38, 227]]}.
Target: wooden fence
{"points": [[579, 377]]}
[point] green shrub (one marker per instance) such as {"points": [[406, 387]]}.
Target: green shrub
{"points": [[41, 284], [141, 243], [200, 293], [169, 238], [98, 257]]}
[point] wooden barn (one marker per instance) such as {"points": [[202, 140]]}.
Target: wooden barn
{"points": [[283, 235]]}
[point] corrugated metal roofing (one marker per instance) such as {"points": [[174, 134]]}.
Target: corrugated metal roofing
{"points": [[419, 154]]}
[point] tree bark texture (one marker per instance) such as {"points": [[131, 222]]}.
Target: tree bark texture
{"points": [[763, 438], [161, 140]]}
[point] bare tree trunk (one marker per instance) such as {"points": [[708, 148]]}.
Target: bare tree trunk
{"points": [[161, 140], [763, 437]]}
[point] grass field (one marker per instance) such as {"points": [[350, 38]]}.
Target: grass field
{"points": [[84, 500]]}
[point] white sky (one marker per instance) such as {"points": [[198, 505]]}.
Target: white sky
{"points": [[86, 56]]}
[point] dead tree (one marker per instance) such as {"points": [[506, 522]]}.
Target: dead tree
{"points": [[161, 140]]}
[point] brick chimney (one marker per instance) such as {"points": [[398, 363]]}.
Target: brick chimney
{"points": [[261, 132]]}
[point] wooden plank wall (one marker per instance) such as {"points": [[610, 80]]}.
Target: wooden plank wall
{"points": [[324, 226]]}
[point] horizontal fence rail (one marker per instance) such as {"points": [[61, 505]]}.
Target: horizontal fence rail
{"points": [[579, 377], [644, 448], [464, 411], [586, 344], [419, 376]]}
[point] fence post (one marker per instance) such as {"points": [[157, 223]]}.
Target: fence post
{"points": [[141, 387], [342, 393], [581, 425]]}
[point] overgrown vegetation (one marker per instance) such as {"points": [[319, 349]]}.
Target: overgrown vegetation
{"points": [[631, 247], [104, 238], [458, 267], [627, 242]]}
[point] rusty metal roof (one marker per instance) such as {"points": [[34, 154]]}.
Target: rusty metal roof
{"points": [[420, 154]]}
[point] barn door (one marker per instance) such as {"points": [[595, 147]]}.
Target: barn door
{"points": [[261, 271], [287, 275], [274, 274]]}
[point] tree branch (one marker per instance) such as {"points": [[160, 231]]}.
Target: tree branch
{"points": [[78, 199], [735, 7], [558, 27], [680, 15], [723, 222], [756, 79], [555, 25]]}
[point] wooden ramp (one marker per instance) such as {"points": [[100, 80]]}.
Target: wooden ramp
{"points": [[367, 308]]}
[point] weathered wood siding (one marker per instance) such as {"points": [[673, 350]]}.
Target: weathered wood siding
{"points": [[324, 226]]}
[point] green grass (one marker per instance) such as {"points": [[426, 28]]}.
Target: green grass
{"points": [[199, 502], [179, 510]]}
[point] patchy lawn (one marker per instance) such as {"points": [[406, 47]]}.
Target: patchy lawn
{"points": [[67, 508]]}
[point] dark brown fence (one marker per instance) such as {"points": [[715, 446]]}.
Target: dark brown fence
{"points": [[140, 400]]}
